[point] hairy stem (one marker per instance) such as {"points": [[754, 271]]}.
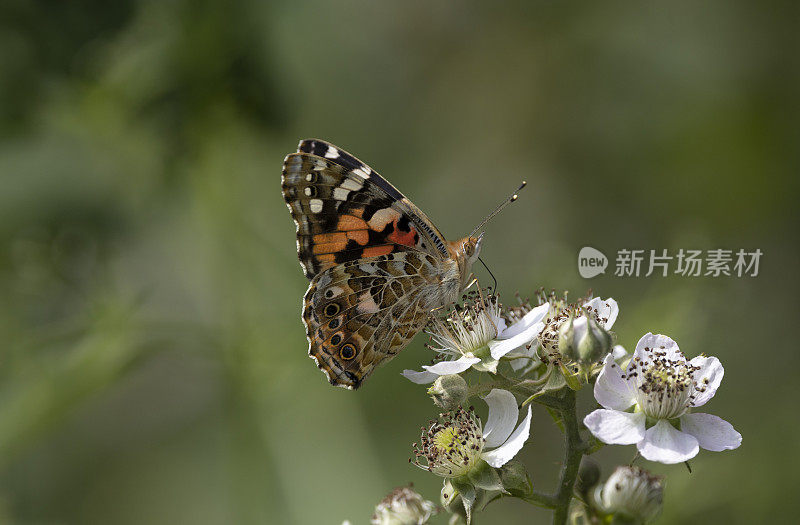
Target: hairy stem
{"points": [[574, 448], [485, 388]]}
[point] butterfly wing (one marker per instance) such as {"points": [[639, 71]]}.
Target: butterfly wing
{"points": [[345, 211], [360, 314], [376, 262]]}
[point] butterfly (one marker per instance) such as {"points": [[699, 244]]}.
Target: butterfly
{"points": [[377, 264]]}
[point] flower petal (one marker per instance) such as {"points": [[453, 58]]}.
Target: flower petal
{"points": [[610, 389], [712, 432], [420, 378], [532, 317], [618, 352], [499, 322], [615, 427], [499, 348], [707, 379], [662, 343], [501, 455], [452, 367], [607, 310], [666, 444], [580, 327], [503, 415]]}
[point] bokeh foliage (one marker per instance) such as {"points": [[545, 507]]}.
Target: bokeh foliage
{"points": [[153, 366]]}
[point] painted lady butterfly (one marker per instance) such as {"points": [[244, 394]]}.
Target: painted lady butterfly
{"points": [[377, 264]]}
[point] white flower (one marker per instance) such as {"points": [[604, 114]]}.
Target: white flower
{"points": [[403, 506], [632, 493], [661, 387], [455, 445], [476, 335]]}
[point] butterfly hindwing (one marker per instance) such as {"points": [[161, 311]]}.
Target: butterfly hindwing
{"points": [[361, 313]]}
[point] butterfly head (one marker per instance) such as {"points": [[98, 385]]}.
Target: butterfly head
{"points": [[466, 251]]}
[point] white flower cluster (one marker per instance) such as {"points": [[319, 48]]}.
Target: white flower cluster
{"points": [[553, 349]]}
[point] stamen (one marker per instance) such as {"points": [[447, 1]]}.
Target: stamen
{"points": [[665, 387], [450, 446]]}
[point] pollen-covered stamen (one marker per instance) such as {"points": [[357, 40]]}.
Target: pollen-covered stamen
{"points": [[464, 330], [665, 386], [450, 446]]}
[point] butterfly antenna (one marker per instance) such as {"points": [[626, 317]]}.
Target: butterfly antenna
{"points": [[497, 210], [494, 290]]}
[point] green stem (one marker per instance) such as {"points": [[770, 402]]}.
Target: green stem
{"points": [[483, 388], [541, 500], [574, 448]]}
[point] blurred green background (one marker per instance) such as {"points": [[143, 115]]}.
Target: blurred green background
{"points": [[153, 363]]}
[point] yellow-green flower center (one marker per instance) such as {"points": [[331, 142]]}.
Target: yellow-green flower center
{"points": [[451, 446]]}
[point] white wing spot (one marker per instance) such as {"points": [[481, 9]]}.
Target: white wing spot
{"points": [[316, 205], [382, 217], [307, 191], [340, 194], [309, 177], [369, 268], [332, 153], [361, 172], [367, 304], [352, 185]]}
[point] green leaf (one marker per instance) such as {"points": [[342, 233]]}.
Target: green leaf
{"points": [[556, 415]]}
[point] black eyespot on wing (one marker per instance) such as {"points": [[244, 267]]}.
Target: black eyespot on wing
{"points": [[334, 324], [336, 339], [331, 309], [347, 352]]}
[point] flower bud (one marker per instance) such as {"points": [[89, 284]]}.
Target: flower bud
{"points": [[403, 506], [583, 340], [588, 476], [566, 338], [631, 493], [594, 344], [449, 392]]}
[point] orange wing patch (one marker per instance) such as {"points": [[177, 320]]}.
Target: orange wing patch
{"points": [[360, 236], [377, 250], [409, 238], [351, 222]]}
